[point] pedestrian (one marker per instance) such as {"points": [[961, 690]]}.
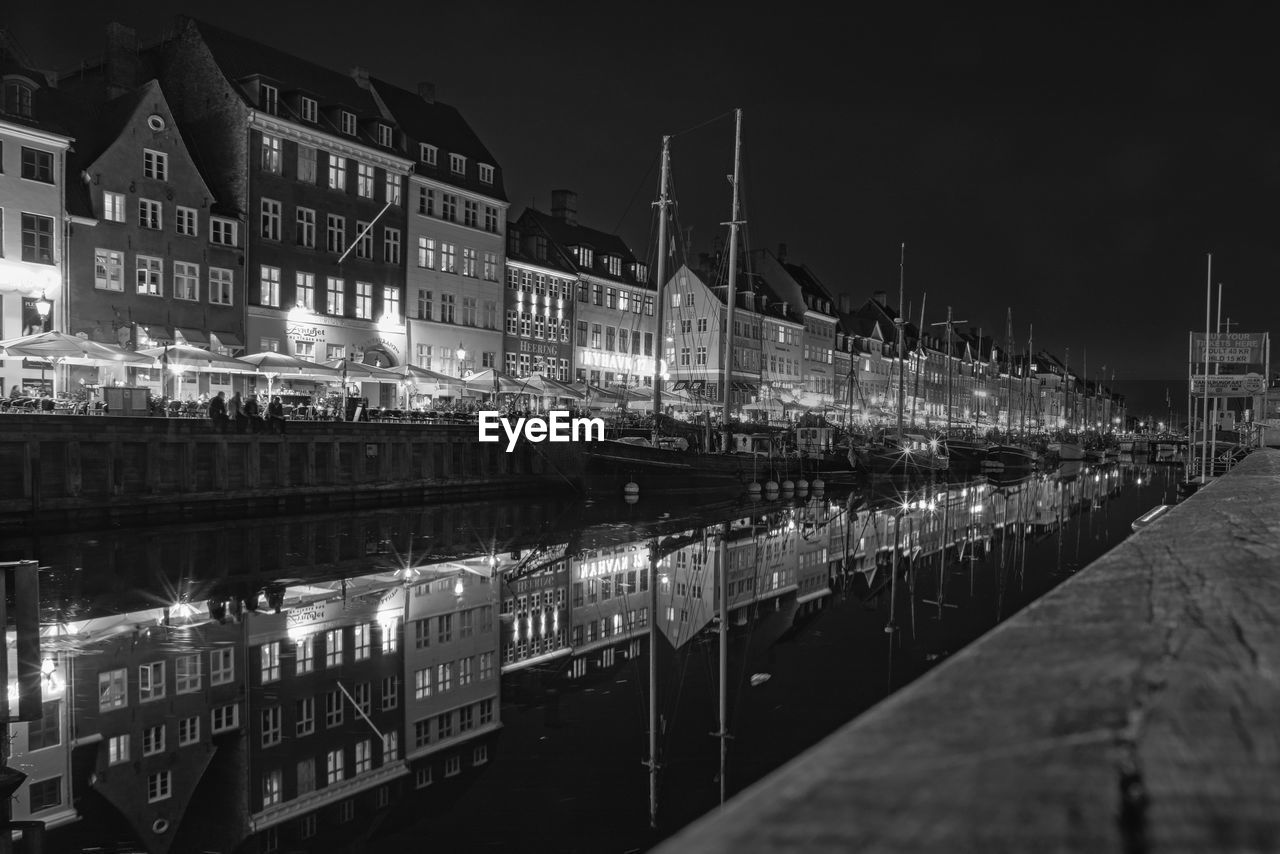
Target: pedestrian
{"points": [[275, 415], [252, 415], [235, 411], [14, 393], [218, 412]]}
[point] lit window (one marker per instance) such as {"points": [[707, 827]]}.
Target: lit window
{"points": [[220, 286], [113, 206], [186, 281], [364, 180], [270, 661], [108, 270], [118, 749]]}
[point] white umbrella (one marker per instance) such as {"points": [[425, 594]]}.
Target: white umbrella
{"points": [[179, 358], [61, 348], [272, 364]]}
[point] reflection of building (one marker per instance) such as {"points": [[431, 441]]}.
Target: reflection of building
{"points": [[535, 619], [32, 151], [41, 748], [324, 717], [157, 700], [451, 671], [609, 603], [154, 257]]}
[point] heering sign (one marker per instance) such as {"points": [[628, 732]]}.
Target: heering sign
{"points": [[539, 349]]}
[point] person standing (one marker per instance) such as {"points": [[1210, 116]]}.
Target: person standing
{"points": [[218, 412], [252, 415], [235, 411], [275, 415]]}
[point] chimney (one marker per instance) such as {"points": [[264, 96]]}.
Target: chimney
{"points": [[564, 205], [361, 76], [846, 303], [782, 253], [882, 298], [427, 91], [121, 59]]}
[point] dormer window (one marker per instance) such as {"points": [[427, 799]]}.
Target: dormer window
{"points": [[17, 98], [457, 164], [486, 173], [309, 109], [586, 257], [613, 264], [270, 99], [348, 123], [427, 153], [384, 136], [640, 271]]}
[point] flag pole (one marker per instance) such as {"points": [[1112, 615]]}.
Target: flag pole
{"points": [[1208, 301]]}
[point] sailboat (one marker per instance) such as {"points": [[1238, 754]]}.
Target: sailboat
{"points": [[1009, 455], [672, 464], [906, 454]]}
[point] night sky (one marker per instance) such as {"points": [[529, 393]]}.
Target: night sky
{"points": [[1073, 165]]}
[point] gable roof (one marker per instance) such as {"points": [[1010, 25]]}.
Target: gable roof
{"points": [[241, 58], [441, 125], [565, 234]]}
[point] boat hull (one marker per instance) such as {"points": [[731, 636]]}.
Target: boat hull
{"points": [[607, 467]]}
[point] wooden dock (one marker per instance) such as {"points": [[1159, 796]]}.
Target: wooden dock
{"points": [[1135, 708]]}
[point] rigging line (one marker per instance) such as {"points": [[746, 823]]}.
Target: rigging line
{"points": [[701, 125], [648, 176]]}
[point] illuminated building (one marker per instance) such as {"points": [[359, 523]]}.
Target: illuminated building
{"points": [[32, 170]]}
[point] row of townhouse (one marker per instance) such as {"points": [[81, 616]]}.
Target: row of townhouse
{"points": [[212, 190]]}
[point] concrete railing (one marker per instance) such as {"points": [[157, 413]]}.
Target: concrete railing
{"points": [[1134, 708]]}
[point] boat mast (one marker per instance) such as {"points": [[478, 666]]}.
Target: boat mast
{"points": [[920, 352], [948, 323], [1204, 433], [660, 346], [731, 293], [1008, 410], [899, 322], [1026, 380]]}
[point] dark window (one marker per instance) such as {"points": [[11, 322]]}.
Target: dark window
{"points": [[45, 732], [45, 794], [37, 239], [37, 165]]}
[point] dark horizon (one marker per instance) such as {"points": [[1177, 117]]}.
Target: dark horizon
{"points": [[1075, 170]]}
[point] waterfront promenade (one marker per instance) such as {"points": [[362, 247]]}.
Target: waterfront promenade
{"points": [[1133, 709]]}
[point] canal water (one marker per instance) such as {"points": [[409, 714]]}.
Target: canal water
{"points": [[477, 676]]}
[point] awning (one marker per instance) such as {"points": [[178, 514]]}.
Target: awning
{"points": [[157, 335], [193, 336], [737, 386], [227, 339]]}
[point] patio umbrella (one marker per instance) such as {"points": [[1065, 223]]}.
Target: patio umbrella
{"points": [[362, 371], [490, 380], [61, 348], [179, 358], [412, 374], [271, 365], [549, 387]]}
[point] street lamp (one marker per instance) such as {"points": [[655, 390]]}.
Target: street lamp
{"points": [[43, 307]]}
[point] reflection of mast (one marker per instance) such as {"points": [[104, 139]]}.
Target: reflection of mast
{"points": [[723, 595], [653, 684]]}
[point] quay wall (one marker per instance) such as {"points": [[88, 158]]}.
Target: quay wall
{"points": [[79, 471], [1131, 709]]}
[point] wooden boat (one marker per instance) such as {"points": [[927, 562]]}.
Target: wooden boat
{"points": [[915, 455], [1012, 456]]}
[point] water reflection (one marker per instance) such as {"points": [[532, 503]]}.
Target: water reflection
{"points": [[326, 683]]}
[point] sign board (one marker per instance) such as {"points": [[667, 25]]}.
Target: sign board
{"points": [[1239, 348], [1229, 385]]}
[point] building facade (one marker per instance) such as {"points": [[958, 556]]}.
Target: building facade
{"points": [[33, 153], [539, 308]]}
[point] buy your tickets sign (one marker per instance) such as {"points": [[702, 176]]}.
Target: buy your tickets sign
{"points": [[1238, 348]]}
